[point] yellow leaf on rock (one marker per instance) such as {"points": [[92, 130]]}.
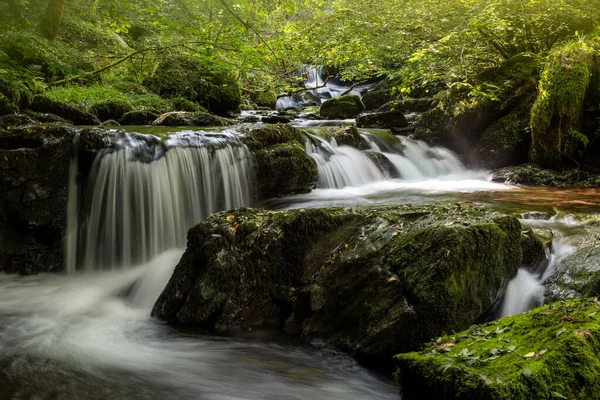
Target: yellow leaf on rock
{"points": [[230, 218], [392, 279]]}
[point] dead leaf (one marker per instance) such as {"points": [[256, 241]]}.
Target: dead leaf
{"points": [[529, 355], [230, 218], [584, 334], [392, 279], [567, 318]]}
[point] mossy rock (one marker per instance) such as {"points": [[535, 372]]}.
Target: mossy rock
{"points": [[182, 104], [342, 107], [410, 105], [386, 120], [45, 105], [547, 353], [533, 175], [6, 107], [182, 118], [460, 117], [139, 117], [215, 89], [267, 98], [506, 141], [384, 164], [557, 113], [370, 282], [381, 93], [276, 119], [14, 120], [110, 109], [282, 165], [346, 136]]}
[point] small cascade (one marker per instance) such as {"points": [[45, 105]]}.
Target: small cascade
{"points": [[523, 293], [72, 202], [144, 194], [315, 77], [391, 157]]}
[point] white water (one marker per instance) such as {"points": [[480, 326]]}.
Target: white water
{"points": [[143, 197], [413, 160], [90, 336]]}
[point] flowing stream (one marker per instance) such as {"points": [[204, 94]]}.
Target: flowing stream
{"points": [[88, 334]]}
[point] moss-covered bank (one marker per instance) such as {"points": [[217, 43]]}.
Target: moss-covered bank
{"points": [[547, 353]]}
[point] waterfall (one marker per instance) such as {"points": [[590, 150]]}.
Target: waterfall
{"points": [[72, 202], [343, 166], [144, 194], [523, 293]]}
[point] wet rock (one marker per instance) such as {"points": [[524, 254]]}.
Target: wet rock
{"points": [[139, 117], [342, 107], [46, 117], [6, 107], [276, 119], [384, 164], [282, 165], [110, 122], [547, 353], [579, 272], [371, 282], [387, 119], [182, 118], [533, 248], [506, 141], [34, 175], [347, 136], [534, 175], [45, 105], [251, 119], [14, 120]]}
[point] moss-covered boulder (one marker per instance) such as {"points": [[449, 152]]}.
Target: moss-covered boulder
{"points": [[208, 85], [346, 136], [139, 117], [462, 115], [34, 173], [276, 119], [387, 119], [110, 109], [282, 165], [371, 282], [547, 353], [267, 98], [44, 104], [342, 107], [382, 92], [505, 142], [183, 118], [558, 111]]}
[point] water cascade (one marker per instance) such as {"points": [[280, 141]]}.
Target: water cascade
{"points": [[144, 194], [391, 157]]}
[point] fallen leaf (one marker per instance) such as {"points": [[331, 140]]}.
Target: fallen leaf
{"points": [[541, 352], [529, 355], [561, 331], [230, 218], [584, 334], [346, 245], [567, 318], [392, 279]]}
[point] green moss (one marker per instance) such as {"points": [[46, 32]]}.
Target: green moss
{"points": [[342, 107], [547, 353], [271, 135], [265, 99], [559, 106]]}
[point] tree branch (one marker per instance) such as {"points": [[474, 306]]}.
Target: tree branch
{"points": [[351, 88]]}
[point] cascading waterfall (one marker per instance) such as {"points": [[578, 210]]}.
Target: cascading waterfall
{"points": [[342, 166], [144, 194]]}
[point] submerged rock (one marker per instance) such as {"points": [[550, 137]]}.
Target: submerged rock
{"points": [[547, 353], [342, 107], [184, 118], [276, 119], [34, 173], [387, 119], [371, 282], [282, 165]]}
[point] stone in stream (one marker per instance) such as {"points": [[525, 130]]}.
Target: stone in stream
{"points": [[343, 107], [282, 165], [547, 353], [139, 117], [34, 173], [387, 119], [371, 282], [533, 175]]}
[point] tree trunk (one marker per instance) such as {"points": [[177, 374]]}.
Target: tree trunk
{"points": [[52, 18]]}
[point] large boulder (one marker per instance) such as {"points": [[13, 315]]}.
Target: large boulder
{"points": [[371, 282], [34, 173], [111, 109], [557, 114], [44, 104], [342, 107], [184, 118], [461, 116], [386, 120], [282, 165], [505, 142], [209, 85], [547, 353]]}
